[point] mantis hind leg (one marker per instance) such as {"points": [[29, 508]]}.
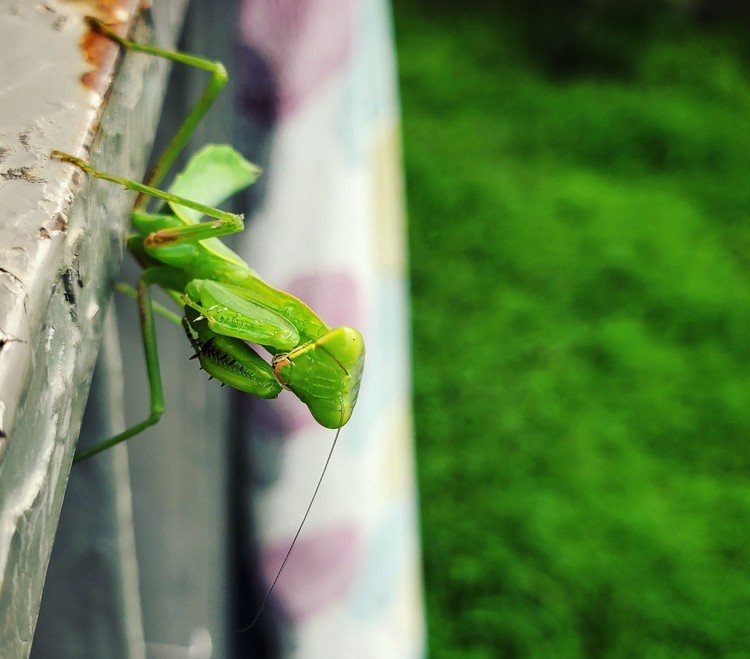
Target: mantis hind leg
{"points": [[228, 223], [145, 307], [217, 81]]}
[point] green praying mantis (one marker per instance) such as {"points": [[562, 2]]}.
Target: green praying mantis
{"points": [[225, 304]]}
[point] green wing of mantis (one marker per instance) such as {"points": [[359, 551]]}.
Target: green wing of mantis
{"points": [[214, 174]]}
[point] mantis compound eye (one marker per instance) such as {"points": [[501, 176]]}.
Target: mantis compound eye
{"points": [[325, 374]]}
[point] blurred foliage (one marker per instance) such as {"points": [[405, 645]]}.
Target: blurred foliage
{"points": [[581, 310], [602, 37], [593, 35]]}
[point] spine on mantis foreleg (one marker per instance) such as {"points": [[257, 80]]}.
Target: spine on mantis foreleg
{"points": [[230, 360]]}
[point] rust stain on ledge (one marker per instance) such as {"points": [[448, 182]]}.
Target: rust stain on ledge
{"points": [[100, 51]]}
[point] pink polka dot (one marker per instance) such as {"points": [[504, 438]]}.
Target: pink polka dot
{"points": [[295, 415], [334, 296], [319, 572]]}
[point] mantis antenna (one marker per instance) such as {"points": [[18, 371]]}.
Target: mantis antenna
{"points": [[296, 535]]}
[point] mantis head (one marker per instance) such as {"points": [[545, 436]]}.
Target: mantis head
{"points": [[325, 374]]}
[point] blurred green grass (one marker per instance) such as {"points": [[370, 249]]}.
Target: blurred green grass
{"points": [[580, 261]]}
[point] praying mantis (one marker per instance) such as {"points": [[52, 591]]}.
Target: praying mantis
{"points": [[225, 304]]}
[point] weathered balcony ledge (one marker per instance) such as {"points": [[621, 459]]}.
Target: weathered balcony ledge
{"points": [[60, 246]]}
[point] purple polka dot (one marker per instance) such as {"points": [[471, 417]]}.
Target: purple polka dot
{"points": [[305, 42]]}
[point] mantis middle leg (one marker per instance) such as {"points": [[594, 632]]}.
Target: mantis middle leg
{"points": [[148, 329]]}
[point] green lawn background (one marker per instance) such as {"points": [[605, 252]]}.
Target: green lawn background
{"points": [[580, 261]]}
